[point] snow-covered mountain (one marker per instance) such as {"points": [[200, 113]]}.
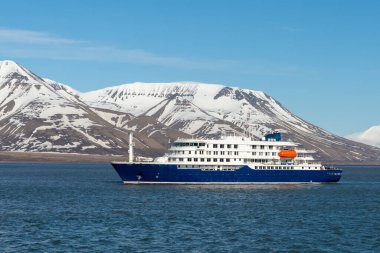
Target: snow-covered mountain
{"points": [[371, 136], [42, 115], [169, 103], [39, 114], [209, 110]]}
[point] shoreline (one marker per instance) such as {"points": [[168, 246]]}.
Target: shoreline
{"points": [[41, 157]]}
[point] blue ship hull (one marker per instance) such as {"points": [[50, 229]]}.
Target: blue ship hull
{"points": [[146, 173]]}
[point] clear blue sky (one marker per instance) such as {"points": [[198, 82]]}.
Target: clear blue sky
{"points": [[321, 59]]}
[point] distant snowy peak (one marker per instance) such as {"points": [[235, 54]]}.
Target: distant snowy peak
{"points": [[370, 136], [10, 69]]}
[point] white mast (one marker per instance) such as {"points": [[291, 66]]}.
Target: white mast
{"points": [[130, 150]]}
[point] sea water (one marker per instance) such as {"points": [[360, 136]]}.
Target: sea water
{"points": [[85, 208]]}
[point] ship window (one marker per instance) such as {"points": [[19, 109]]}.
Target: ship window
{"points": [[228, 160], [208, 159], [235, 146], [236, 153], [215, 145], [262, 147], [228, 145], [222, 152], [195, 152], [189, 159], [221, 159], [215, 152], [254, 147], [261, 153], [202, 159], [189, 152], [195, 159], [270, 147], [215, 160], [221, 145], [181, 159]]}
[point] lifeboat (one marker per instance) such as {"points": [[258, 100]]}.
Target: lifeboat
{"points": [[287, 153]]}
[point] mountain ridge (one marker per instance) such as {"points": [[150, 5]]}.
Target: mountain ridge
{"points": [[41, 114]]}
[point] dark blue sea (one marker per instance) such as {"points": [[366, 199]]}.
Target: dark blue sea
{"points": [[85, 208]]}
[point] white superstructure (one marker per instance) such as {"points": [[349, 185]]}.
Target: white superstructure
{"points": [[231, 152]]}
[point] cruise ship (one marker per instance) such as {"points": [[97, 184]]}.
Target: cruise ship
{"points": [[229, 160]]}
